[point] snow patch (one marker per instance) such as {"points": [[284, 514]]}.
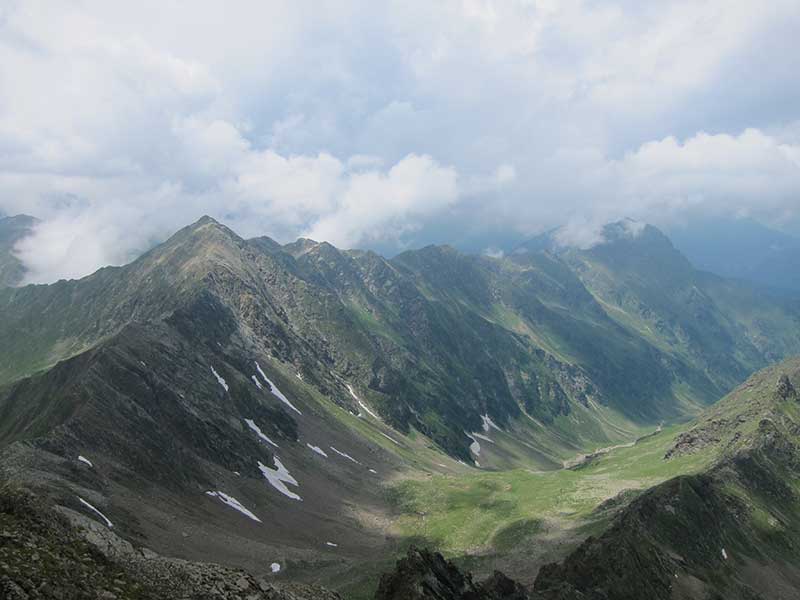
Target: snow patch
{"points": [[274, 389], [105, 518], [369, 411], [724, 554], [279, 477], [474, 447], [220, 379], [345, 455], [251, 424], [233, 503], [257, 382], [373, 471], [275, 567], [331, 544], [83, 459], [485, 438], [391, 439], [488, 423], [317, 449], [362, 404]]}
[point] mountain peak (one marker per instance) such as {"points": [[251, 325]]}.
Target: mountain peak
{"points": [[205, 227], [300, 246], [562, 239], [205, 245]]}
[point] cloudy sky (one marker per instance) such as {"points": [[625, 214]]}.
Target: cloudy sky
{"points": [[390, 124]]}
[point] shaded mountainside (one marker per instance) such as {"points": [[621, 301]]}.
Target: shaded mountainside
{"points": [[12, 229], [626, 334], [717, 331]]}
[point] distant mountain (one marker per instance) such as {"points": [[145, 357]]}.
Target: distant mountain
{"points": [[741, 249], [716, 328], [12, 229], [231, 400]]}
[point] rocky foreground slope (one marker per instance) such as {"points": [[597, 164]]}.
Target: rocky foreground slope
{"points": [[52, 554]]}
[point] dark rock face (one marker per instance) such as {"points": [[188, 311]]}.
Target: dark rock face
{"points": [[785, 390], [426, 575], [500, 587]]}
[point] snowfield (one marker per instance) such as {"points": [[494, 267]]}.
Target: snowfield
{"points": [[362, 404], [475, 446], [279, 477], [345, 455], [83, 459], [251, 424], [391, 439], [274, 389], [488, 423], [318, 450], [220, 379], [89, 506], [233, 503]]}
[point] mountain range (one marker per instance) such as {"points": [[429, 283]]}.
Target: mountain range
{"points": [[742, 249], [285, 409]]}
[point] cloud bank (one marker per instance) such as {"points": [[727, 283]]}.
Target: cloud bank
{"points": [[378, 124]]}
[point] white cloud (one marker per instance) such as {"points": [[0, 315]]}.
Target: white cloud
{"points": [[378, 205], [362, 122], [493, 252], [751, 174]]}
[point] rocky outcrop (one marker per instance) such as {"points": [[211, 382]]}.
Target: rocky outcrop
{"points": [[423, 574], [698, 438], [426, 575], [785, 390], [500, 587]]}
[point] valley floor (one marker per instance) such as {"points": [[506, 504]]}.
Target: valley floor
{"points": [[514, 520]]}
